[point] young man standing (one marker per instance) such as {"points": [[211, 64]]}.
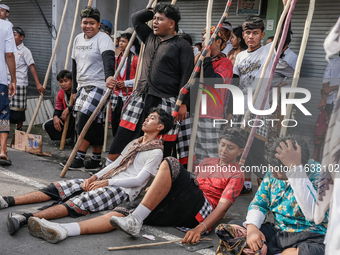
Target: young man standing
{"points": [[124, 82], [7, 49], [217, 69], [248, 68], [175, 198], [23, 60], [119, 182], [329, 91], [167, 65], [93, 62], [4, 12], [226, 31]]}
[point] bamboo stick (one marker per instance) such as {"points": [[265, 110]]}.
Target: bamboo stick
{"points": [[299, 61], [150, 244], [291, 5], [100, 105], [49, 68], [109, 103], [199, 93], [67, 122]]}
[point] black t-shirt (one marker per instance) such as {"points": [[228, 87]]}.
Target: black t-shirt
{"points": [[167, 65]]}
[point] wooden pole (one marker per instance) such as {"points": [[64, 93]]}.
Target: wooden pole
{"points": [[100, 105], [150, 244], [67, 122], [291, 5], [48, 69], [299, 61], [270, 54], [109, 103], [199, 94]]}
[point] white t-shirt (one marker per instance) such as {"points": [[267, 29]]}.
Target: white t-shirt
{"points": [[145, 160], [7, 45], [290, 57], [227, 48], [248, 66], [88, 55], [23, 59], [331, 75]]}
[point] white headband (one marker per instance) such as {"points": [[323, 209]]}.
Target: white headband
{"points": [[4, 7], [227, 27]]}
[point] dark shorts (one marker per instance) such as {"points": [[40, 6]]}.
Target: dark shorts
{"points": [[4, 109], [54, 134], [16, 116], [181, 205], [95, 134], [277, 241]]}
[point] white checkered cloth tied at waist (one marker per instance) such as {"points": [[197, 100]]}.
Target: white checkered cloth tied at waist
{"points": [[19, 101], [87, 100]]}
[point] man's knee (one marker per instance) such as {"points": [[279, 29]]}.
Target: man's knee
{"points": [[171, 164]]}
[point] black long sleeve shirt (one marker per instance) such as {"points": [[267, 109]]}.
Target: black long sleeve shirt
{"points": [[167, 65]]}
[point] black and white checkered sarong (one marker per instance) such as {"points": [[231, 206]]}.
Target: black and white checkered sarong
{"points": [[19, 101], [114, 100], [204, 212], [207, 139], [87, 99], [105, 198]]}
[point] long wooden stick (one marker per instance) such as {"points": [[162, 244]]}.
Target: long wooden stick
{"points": [[100, 105], [270, 54], [195, 72], [67, 122], [48, 69], [199, 93], [291, 4], [150, 244], [299, 61], [109, 103]]}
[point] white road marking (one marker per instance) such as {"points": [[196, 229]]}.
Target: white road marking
{"points": [[149, 229], [22, 178]]}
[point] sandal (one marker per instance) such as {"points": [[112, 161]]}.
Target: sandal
{"points": [[5, 161]]}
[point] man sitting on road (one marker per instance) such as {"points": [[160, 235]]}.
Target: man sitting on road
{"points": [[119, 182], [175, 198]]}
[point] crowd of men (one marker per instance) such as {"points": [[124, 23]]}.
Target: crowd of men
{"points": [[149, 142]]}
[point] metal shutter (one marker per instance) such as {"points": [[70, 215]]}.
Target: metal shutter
{"points": [[25, 14], [193, 15], [314, 63]]}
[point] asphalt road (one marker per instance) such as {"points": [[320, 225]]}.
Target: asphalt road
{"points": [[30, 172]]}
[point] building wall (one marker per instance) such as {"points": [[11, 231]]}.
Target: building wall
{"points": [[25, 14]]}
